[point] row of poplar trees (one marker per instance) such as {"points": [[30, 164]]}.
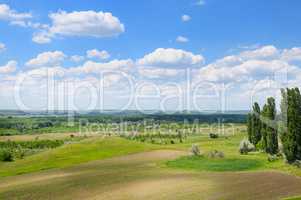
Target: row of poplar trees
{"points": [[266, 129]]}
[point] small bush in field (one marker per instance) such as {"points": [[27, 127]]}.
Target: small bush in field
{"points": [[195, 150], [245, 147], [213, 135], [172, 142], [216, 154], [272, 158], [19, 153], [6, 155]]}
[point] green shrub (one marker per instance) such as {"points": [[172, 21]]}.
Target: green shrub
{"points": [[6, 155], [213, 135], [272, 158], [245, 147], [195, 150], [35, 144], [216, 154], [297, 163]]}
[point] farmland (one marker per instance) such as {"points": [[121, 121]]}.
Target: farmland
{"points": [[138, 162]]}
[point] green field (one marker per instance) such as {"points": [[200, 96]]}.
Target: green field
{"points": [[112, 167]]}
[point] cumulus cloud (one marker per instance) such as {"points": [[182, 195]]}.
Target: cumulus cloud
{"points": [[2, 47], [46, 59], [77, 58], [182, 39], [10, 67], [80, 23], [293, 54], [97, 67], [94, 53], [241, 74], [264, 62], [171, 58], [154, 72], [266, 52], [12, 16], [185, 18], [41, 37]]}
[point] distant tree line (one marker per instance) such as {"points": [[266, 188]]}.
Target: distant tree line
{"points": [[266, 131]]}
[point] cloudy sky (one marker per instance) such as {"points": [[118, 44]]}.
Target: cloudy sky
{"points": [[167, 55]]}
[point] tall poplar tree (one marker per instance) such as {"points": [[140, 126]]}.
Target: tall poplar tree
{"points": [[291, 123], [272, 136], [256, 131], [264, 117]]}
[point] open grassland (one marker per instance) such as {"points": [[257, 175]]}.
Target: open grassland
{"points": [[71, 154], [117, 168]]}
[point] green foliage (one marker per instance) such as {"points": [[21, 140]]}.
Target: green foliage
{"points": [[6, 155], [216, 154], [250, 126], [291, 123], [254, 125], [269, 127], [156, 138], [256, 131], [34, 144], [195, 150], [245, 147], [213, 135]]}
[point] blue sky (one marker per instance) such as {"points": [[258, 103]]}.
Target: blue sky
{"points": [[216, 26], [216, 29]]}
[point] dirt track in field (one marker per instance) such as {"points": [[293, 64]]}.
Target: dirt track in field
{"points": [[138, 176]]}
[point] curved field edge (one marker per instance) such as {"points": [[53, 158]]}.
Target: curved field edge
{"points": [[73, 154]]}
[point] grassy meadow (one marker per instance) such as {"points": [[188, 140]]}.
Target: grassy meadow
{"points": [[153, 164]]}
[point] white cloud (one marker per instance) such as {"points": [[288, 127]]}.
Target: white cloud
{"points": [[251, 65], [94, 53], [240, 74], [182, 39], [41, 37], [154, 72], [185, 18], [77, 58], [96, 67], [10, 67], [266, 52], [171, 58], [46, 59], [293, 54], [12, 16], [2, 47], [80, 23]]}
